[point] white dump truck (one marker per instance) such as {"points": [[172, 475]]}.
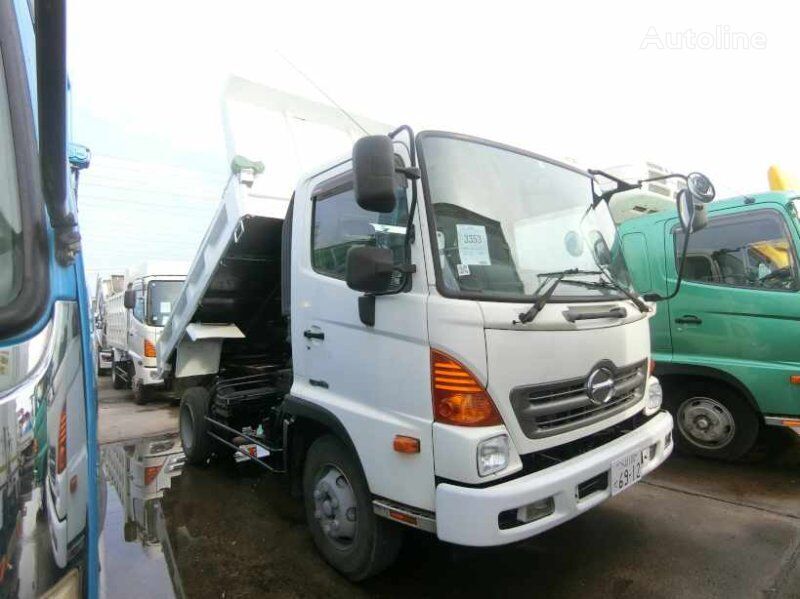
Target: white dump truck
{"points": [[134, 318], [394, 340], [105, 287]]}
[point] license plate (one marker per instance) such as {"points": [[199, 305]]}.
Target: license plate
{"points": [[627, 470]]}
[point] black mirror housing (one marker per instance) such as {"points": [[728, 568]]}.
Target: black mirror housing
{"points": [[129, 300], [374, 173], [369, 269]]}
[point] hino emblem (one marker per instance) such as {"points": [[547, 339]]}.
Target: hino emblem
{"points": [[600, 385]]}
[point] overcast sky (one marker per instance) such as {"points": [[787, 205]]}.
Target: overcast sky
{"points": [[602, 84]]}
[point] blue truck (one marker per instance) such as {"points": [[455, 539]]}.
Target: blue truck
{"points": [[48, 405]]}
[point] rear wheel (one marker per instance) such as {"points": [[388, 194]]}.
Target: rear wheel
{"points": [[338, 506], [193, 426], [713, 421]]}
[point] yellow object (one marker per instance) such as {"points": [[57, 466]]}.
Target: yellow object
{"points": [[780, 180]]}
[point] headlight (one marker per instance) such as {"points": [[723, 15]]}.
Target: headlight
{"points": [[654, 397], [492, 455]]}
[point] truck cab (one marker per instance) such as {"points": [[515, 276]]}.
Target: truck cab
{"points": [[134, 320], [724, 346]]}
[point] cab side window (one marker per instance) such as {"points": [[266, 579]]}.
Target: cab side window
{"points": [[138, 307], [339, 223], [751, 250]]}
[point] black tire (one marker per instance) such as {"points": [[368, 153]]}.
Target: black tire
{"points": [[376, 541], [116, 380], [193, 426], [141, 393], [735, 425]]}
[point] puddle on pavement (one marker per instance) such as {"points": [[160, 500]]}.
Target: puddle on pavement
{"points": [[232, 530], [224, 530]]}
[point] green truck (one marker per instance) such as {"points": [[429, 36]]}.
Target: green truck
{"points": [[727, 346]]}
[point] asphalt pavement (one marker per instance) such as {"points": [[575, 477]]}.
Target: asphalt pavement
{"points": [[694, 528]]}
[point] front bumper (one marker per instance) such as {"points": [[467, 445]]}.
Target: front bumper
{"points": [[105, 358], [790, 422], [150, 377], [470, 516]]}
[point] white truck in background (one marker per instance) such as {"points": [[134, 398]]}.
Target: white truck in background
{"points": [[105, 287], [134, 319], [394, 340]]}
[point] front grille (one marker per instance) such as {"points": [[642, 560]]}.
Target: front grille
{"points": [[552, 408]]}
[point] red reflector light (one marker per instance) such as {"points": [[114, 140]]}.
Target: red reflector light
{"points": [[458, 396], [651, 367], [795, 379], [401, 517], [150, 473]]}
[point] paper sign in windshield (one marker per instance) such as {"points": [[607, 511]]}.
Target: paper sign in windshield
{"points": [[473, 245], [165, 307]]}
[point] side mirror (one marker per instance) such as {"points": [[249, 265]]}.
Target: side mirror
{"points": [[685, 210], [700, 187], [369, 269], [692, 215], [374, 173], [129, 300]]}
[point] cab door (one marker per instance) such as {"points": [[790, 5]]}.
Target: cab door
{"points": [[136, 324], [738, 304], [373, 379]]}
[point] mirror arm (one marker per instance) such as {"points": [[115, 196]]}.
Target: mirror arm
{"points": [[412, 172], [622, 185]]}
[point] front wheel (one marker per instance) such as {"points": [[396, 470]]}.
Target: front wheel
{"points": [[193, 426], [338, 506], [141, 392], [713, 421], [116, 379]]}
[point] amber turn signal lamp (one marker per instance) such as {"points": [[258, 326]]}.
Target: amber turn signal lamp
{"points": [[403, 444], [150, 472], [458, 397], [61, 448], [795, 379], [149, 349]]}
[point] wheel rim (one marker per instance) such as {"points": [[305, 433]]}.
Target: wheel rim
{"points": [[335, 507], [186, 426], [706, 422]]}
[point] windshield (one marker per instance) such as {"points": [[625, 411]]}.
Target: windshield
{"points": [[10, 221], [161, 298], [502, 218]]}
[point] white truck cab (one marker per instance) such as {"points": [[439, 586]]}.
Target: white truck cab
{"points": [[134, 318], [435, 331]]}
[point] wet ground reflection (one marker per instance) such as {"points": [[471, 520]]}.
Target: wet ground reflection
{"points": [[229, 530]]}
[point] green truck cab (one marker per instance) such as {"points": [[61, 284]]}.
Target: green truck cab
{"points": [[727, 346]]}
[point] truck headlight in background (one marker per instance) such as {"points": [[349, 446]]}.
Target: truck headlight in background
{"points": [[492, 455], [655, 396]]}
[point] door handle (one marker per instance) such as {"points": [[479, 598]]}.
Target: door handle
{"points": [[688, 319], [311, 334]]}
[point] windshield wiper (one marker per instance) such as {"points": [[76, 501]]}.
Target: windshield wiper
{"points": [[643, 307], [541, 300], [604, 284]]}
